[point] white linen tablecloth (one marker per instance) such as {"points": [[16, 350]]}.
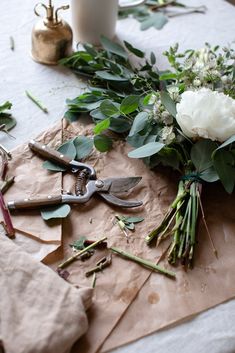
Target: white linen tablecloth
{"points": [[213, 330]]}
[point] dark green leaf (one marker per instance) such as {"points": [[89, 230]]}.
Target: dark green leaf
{"points": [[201, 153], [153, 58], [102, 143], [119, 125], [129, 104], [223, 164], [147, 150], [168, 103], [167, 76], [130, 226], [7, 120], [113, 47], [53, 167], [110, 77], [108, 108], [139, 123], [102, 126], [169, 157], [84, 146], [133, 50], [60, 211]]}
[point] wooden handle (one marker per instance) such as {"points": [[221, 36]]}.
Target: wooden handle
{"points": [[30, 203], [49, 153]]}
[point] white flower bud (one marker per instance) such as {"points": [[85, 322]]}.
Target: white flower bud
{"points": [[196, 82]]}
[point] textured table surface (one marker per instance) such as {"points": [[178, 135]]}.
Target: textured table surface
{"points": [[213, 330]]}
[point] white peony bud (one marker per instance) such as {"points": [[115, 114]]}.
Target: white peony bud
{"points": [[206, 113]]}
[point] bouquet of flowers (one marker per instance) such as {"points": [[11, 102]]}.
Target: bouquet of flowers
{"points": [[183, 118]]}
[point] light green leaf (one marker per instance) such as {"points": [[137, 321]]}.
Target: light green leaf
{"points": [[84, 146], [156, 20], [108, 108], [133, 50], [147, 150], [102, 126], [5, 106], [110, 77], [102, 143], [201, 154], [223, 164], [129, 104], [134, 219], [60, 211], [168, 103], [227, 142], [139, 123], [113, 47]]}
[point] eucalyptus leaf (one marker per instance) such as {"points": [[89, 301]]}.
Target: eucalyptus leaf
{"points": [[83, 146], [60, 211], [119, 125], [129, 104], [227, 142], [147, 150], [133, 50], [53, 167], [139, 123], [130, 226], [156, 20], [112, 47], [134, 219], [168, 103], [153, 58], [223, 164], [7, 120], [105, 75], [102, 126], [69, 150], [102, 143], [108, 108], [201, 154], [209, 175]]}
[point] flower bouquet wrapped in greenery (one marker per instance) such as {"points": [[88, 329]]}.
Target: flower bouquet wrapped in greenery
{"points": [[183, 118]]}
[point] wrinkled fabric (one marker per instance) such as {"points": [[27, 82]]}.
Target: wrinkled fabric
{"points": [[39, 311]]}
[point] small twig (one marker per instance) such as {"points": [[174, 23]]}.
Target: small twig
{"points": [[79, 253], [93, 283], [150, 265], [207, 229], [12, 43], [36, 101]]}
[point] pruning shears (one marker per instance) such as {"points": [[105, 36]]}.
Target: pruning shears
{"points": [[86, 184]]}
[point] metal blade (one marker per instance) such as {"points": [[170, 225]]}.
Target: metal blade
{"points": [[118, 185], [118, 202]]}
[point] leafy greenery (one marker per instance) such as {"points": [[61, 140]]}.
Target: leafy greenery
{"points": [[154, 13], [7, 122]]}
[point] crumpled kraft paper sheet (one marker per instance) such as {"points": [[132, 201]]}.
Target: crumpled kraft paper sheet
{"points": [[161, 301]]}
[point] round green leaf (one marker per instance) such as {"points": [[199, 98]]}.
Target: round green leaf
{"points": [[7, 120], [108, 108], [60, 211], [139, 123], [129, 104], [83, 146], [147, 150], [102, 126], [68, 149], [102, 143], [53, 167]]}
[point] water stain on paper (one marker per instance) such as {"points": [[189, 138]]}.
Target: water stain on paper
{"points": [[153, 298], [127, 294]]}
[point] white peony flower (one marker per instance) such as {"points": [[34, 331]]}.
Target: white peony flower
{"points": [[206, 113]]}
